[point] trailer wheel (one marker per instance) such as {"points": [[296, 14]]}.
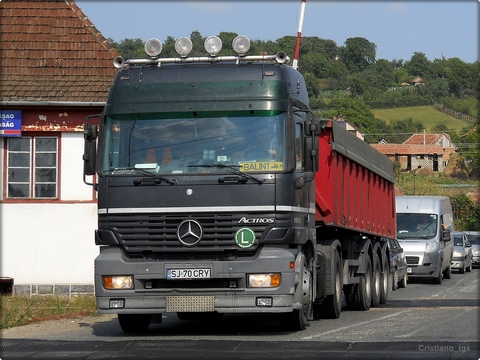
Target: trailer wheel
{"points": [[297, 320], [385, 281], [360, 295], [332, 305], [376, 282], [134, 323]]}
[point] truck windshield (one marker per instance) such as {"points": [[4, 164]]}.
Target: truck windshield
{"points": [[179, 144], [416, 225]]}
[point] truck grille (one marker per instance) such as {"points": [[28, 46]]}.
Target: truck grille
{"points": [[158, 232]]}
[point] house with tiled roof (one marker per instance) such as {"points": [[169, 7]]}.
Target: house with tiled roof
{"points": [[420, 151], [56, 69]]}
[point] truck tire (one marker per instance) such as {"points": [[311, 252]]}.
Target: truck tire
{"points": [[297, 320], [376, 282], [332, 305], [360, 295], [385, 281], [134, 323]]}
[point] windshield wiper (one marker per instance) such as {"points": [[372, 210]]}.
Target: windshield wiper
{"points": [[152, 178], [233, 169]]}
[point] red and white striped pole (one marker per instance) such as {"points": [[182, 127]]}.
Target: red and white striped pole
{"points": [[299, 36]]}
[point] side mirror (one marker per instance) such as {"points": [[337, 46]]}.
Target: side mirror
{"points": [[90, 150], [446, 235]]}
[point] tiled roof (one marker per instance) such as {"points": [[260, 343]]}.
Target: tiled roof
{"points": [[50, 51], [421, 139], [402, 149]]}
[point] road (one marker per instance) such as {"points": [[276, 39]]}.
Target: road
{"points": [[423, 321]]}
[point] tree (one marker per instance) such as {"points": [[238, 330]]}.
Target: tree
{"points": [[358, 53], [418, 64]]}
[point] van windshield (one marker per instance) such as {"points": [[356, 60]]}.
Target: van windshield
{"points": [[180, 143], [416, 225]]}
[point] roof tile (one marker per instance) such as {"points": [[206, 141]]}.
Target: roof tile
{"points": [[51, 51]]}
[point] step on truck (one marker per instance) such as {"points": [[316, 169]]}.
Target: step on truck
{"points": [[220, 192]]}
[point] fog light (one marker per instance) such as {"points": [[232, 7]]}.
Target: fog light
{"points": [[116, 303], [183, 46], [118, 282], [241, 45], [264, 280], [264, 301], [153, 47], [213, 45]]}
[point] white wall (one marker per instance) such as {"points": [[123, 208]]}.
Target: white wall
{"points": [[52, 242], [48, 243]]}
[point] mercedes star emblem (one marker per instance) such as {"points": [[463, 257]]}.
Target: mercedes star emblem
{"points": [[189, 232]]}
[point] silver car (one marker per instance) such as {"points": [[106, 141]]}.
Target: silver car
{"points": [[474, 239], [462, 252]]}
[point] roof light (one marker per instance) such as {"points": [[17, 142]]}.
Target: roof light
{"points": [[241, 44], [213, 45], [153, 47], [183, 46]]}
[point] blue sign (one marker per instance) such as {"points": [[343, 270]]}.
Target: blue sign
{"points": [[10, 122]]}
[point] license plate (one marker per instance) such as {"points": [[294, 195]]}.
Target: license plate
{"points": [[185, 274], [409, 270]]}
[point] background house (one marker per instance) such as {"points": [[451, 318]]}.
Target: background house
{"points": [[56, 69], [420, 151]]}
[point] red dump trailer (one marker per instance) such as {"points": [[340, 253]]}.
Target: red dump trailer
{"points": [[355, 214]]}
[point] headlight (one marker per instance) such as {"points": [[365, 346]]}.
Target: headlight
{"points": [[118, 282], [431, 246], [457, 254], [476, 252], [264, 280]]}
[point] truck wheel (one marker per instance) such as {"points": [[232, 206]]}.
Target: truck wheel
{"points": [[297, 320], [360, 295], [332, 305], [447, 273], [134, 323], [385, 282], [376, 282]]}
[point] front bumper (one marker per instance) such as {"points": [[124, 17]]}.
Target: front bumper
{"points": [[458, 263], [225, 292]]}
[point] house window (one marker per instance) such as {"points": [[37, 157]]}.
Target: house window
{"points": [[32, 167]]}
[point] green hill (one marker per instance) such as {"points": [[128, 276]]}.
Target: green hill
{"points": [[427, 115]]}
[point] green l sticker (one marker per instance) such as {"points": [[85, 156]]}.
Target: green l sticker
{"points": [[245, 237]]}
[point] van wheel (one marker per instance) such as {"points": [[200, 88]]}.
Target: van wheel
{"points": [[447, 273], [403, 283], [469, 268], [463, 269], [438, 280]]}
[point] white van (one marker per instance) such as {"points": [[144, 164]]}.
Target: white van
{"points": [[424, 224]]}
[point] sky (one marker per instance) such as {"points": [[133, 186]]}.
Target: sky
{"points": [[439, 29]]}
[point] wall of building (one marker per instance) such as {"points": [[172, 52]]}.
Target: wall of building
{"points": [[49, 246]]}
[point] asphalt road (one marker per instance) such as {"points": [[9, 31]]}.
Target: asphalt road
{"points": [[423, 321]]}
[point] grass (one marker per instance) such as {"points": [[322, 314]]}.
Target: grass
{"points": [[427, 115], [437, 185], [24, 310]]}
